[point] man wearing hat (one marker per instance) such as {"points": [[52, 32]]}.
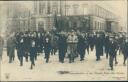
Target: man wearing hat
{"points": [[112, 51], [62, 46], [116, 38], [21, 49], [87, 37], [81, 46], [106, 45], [18, 36], [99, 47], [47, 46], [26, 45], [125, 50], [32, 51], [91, 41]]}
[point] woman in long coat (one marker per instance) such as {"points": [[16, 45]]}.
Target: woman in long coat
{"points": [[11, 48]]}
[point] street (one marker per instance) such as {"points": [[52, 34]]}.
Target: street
{"points": [[89, 69]]}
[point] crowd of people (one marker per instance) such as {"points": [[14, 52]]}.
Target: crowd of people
{"points": [[31, 44]]}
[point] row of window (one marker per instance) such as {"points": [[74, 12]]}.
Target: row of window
{"points": [[48, 9], [16, 11], [18, 23], [43, 10], [99, 11], [98, 25], [55, 8]]}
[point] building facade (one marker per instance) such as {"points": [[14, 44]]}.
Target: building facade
{"points": [[44, 12], [18, 18], [65, 15], [91, 17]]}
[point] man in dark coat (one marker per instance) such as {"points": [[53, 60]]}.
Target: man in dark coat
{"points": [[117, 48], [26, 45], [21, 49], [102, 43], [47, 47], [39, 43], [91, 42], [35, 37], [54, 39], [99, 47], [112, 52], [120, 41], [87, 36], [125, 50], [106, 45], [81, 46], [17, 35], [32, 51], [62, 46]]}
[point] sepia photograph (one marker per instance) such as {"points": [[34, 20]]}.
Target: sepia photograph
{"points": [[63, 40]]}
